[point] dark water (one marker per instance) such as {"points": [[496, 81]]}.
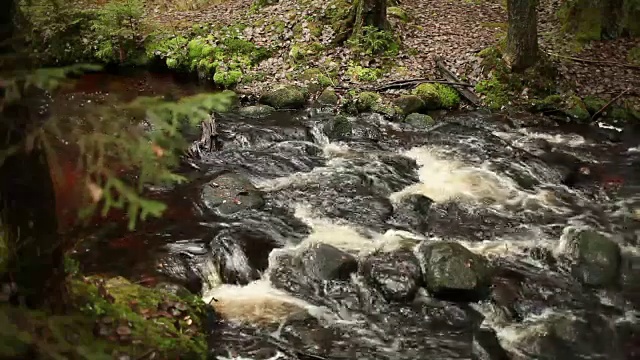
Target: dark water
{"points": [[492, 186]]}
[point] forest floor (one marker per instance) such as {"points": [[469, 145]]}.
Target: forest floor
{"points": [[456, 30]]}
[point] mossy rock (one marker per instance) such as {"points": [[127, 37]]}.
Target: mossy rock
{"points": [[256, 111], [437, 96], [598, 258], [452, 271], [398, 13], [420, 121], [569, 105], [409, 104], [593, 104], [339, 127], [316, 80], [328, 97], [227, 79], [366, 101], [285, 97]]}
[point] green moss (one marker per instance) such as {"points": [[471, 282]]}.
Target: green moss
{"points": [[366, 101], [339, 127], [419, 120], [398, 12], [359, 73], [496, 94], [284, 97], [594, 104], [437, 96], [227, 78], [328, 97], [569, 105], [75, 335]]}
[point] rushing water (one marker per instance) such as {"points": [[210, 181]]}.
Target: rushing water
{"points": [[490, 185]]}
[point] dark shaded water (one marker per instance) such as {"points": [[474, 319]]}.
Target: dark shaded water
{"points": [[489, 185]]}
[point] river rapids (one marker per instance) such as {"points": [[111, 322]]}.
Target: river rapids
{"points": [[310, 244]]}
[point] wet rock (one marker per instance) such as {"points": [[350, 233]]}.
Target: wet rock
{"points": [[241, 254], [328, 97], [563, 336], [597, 258], [396, 274], [183, 268], [338, 128], [453, 272], [412, 212], [420, 121], [326, 262], [486, 346], [409, 104], [284, 97], [256, 111], [229, 193]]}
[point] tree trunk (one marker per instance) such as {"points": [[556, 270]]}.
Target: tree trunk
{"points": [[362, 13], [522, 34], [27, 204], [612, 18]]}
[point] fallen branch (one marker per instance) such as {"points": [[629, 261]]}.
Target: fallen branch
{"points": [[409, 82], [466, 93], [589, 61], [609, 104]]}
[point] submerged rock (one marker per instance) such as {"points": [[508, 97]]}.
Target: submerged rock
{"points": [[597, 258], [419, 120], [325, 262], [256, 111], [328, 97], [396, 274], [453, 272], [284, 97], [339, 127], [409, 104], [229, 193]]}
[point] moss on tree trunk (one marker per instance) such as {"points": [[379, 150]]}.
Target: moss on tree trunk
{"points": [[361, 13], [522, 35], [600, 19]]}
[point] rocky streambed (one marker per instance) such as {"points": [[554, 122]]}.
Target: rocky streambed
{"points": [[316, 235]]}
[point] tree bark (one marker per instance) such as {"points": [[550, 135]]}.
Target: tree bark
{"points": [[612, 18], [522, 34], [27, 204], [361, 14]]}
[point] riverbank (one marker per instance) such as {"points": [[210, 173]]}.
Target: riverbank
{"points": [[252, 47]]}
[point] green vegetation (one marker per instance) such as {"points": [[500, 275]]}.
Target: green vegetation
{"points": [[437, 96], [398, 12], [359, 73], [113, 317], [373, 41]]}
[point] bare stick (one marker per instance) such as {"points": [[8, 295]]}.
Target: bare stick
{"points": [[609, 104]]}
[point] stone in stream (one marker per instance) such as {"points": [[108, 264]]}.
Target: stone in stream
{"points": [[256, 111], [409, 104], [229, 193], [453, 272], [326, 262], [396, 274], [328, 97], [597, 258], [420, 121], [284, 97], [339, 127]]}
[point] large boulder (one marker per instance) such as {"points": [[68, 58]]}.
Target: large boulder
{"points": [[284, 97], [597, 258], [420, 121], [453, 272], [256, 111], [396, 274], [326, 262], [486, 345], [229, 193], [328, 97], [339, 127], [409, 104]]}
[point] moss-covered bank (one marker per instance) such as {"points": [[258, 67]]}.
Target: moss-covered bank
{"points": [[108, 318]]}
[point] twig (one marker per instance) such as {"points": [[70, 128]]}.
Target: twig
{"points": [[146, 354], [589, 61], [609, 104], [408, 82]]}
